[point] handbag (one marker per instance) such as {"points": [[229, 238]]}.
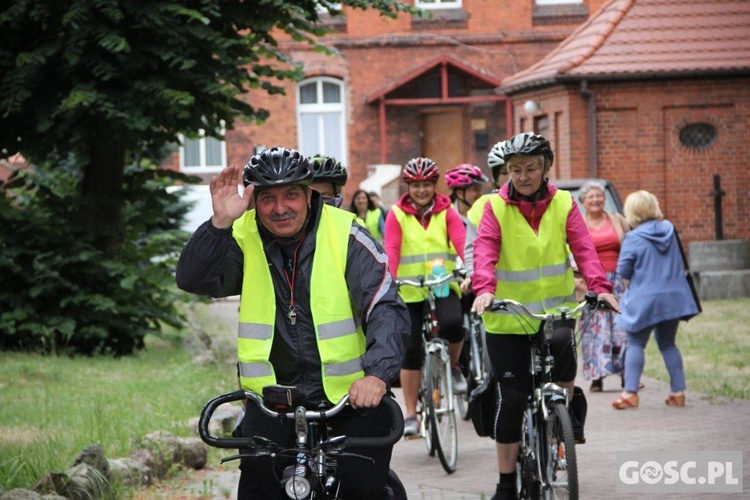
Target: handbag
{"points": [[688, 275], [483, 406]]}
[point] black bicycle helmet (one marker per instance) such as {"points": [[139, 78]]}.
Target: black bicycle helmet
{"points": [[277, 166], [327, 168], [528, 143]]}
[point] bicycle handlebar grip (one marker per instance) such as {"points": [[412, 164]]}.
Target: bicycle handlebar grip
{"points": [[205, 418], [397, 429]]}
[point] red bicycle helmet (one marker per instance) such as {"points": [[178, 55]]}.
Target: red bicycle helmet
{"points": [[464, 176], [420, 169]]}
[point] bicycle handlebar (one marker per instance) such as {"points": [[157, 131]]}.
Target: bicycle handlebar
{"points": [[397, 429], [426, 283], [590, 301]]}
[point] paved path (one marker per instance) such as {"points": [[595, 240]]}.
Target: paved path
{"points": [[702, 425]]}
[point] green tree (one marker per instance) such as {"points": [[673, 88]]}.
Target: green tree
{"points": [[97, 80]]}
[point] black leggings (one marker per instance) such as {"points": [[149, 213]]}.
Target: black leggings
{"points": [[510, 356], [360, 478], [450, 320]]}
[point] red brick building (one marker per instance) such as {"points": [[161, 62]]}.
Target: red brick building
{"points": [[650, 94], [655, 95], [403, 87]]}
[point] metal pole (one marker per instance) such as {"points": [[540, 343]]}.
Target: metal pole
{"points": [[717, 193]]}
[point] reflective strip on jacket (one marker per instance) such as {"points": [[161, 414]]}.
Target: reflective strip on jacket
{"points": [[341, 342], [533, 269], [419, 247]]}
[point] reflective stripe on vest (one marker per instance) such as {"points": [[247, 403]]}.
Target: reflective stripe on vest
{"points": [[420, 246], [372, 223], [341, 342], [533, 268]]}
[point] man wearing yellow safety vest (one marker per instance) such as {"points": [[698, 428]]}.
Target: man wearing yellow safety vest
{"points": [[420, 228], [318, 310], [521, 253]]}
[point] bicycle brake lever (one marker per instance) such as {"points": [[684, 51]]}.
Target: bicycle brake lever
{"points": [[356, 455], [245, 455]]}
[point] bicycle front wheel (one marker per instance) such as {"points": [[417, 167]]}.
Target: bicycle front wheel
{"points": [[442, 415], [560, 467], [527, 477]]}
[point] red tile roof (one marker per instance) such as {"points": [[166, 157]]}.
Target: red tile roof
{"points": [[646, 38]]}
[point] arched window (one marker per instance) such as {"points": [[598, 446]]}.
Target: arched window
{"points": [[321, 126]]}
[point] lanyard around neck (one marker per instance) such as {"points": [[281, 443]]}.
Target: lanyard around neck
{"points": [[292, 314]]}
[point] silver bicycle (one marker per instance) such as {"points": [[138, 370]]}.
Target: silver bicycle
{"points": [[435, 399]]}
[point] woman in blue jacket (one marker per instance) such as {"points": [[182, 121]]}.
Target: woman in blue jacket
{"points": [[656, 299]]}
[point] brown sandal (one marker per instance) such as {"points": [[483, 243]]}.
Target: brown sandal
{"points": [[675, 399], [624, 402]]}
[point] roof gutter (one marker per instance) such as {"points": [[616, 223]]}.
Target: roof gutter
{"points": [[591, 115]]}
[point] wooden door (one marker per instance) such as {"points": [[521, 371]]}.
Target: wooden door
{"points": [[443, 140]]}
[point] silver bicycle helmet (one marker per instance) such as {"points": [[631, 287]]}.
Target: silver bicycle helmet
{"points": [[528, 143]]}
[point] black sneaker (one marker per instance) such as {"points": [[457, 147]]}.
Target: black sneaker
{"points": [[505, 492], [578, 436]]}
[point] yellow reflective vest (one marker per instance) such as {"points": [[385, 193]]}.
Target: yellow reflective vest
{"points": [[534, 268], [419, 247], [372, 223], [341, 342], [477, 209]]}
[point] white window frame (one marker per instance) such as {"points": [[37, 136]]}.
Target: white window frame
{"points": [[438, 4], [203, 167], [320, 108]]}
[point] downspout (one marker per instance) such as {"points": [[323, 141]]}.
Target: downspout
{"points": [[383, 132], [591, 115]]}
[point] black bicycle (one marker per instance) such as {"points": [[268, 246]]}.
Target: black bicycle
{"points": [[547, 466], [314, 474], [475, 361]]}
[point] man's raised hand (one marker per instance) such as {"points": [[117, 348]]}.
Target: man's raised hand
{"points": [[227, 202]]}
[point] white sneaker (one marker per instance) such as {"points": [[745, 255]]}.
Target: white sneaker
{"points": [[411, 426], [459, 381]]}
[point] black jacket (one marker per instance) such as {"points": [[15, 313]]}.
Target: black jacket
{"points": [[212, 264]]}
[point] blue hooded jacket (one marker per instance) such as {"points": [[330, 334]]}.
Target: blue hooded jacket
{"points": [[658, 291]]}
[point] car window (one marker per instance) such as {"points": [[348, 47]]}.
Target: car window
{"points": [[609, 205], [612, 202]]}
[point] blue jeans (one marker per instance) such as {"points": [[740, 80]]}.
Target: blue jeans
{"points": [[665, 333]]}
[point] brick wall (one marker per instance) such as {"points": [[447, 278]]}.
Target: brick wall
{"points": [[638, 144]]}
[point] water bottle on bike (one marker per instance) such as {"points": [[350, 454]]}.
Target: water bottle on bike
{"points": [[437, 269]]}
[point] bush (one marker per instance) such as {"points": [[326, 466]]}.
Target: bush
{"points": [[60, 294]]}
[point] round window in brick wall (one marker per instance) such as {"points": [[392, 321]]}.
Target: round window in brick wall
{"points": [[698, 135]]}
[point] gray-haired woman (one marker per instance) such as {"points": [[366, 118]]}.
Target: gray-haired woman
{"points": [[603, 342]]}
